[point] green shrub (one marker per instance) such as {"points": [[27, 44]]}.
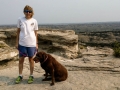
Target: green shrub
{"points": [[116, 48]]}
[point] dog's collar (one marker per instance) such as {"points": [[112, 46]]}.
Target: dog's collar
{"points": [[44, 60]]}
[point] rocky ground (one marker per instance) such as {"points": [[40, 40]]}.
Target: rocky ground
{"points": [[97, 69]]}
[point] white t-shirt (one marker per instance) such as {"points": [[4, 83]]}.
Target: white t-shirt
{"points": [[27, 35]]}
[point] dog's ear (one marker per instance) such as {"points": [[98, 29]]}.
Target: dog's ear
{"points": [[37, 54], [44, 56]]}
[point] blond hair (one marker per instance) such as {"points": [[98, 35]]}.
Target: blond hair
{"points": [[27, 7]]}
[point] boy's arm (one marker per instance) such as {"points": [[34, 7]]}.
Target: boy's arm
{"points": [[36, 38], [17, 37]]}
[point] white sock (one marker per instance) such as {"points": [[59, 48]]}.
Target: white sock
{"points": [[20, 75]]}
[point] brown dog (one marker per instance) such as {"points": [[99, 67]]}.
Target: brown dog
{"points": [[52, 67]]}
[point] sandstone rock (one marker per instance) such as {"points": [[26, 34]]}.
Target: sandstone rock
{"points": [[2, 35], [7, 52], [65, 42], [3, 44]]}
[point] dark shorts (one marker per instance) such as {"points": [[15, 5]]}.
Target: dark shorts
{"points": [[26, 51]]}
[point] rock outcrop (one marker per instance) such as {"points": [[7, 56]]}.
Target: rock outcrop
{"points": [[99, 38], [6, 52], [63, 42], [60, 42]]}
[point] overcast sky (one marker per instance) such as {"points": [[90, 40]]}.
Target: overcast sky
{"points": [[61, 11]]}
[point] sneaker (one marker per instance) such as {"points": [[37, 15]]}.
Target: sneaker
{"points": [[19, 79], [30, 80]]}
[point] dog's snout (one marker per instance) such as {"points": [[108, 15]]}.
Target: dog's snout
{"points": [[36, 59]]}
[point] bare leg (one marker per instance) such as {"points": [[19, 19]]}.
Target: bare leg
{"points": [[31, 61], [21, 61]]}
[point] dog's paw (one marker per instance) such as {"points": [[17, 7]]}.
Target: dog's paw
{"points": [[51, 84], [46, 75], [44, 79]]}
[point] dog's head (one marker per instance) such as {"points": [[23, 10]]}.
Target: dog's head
{"points": [[40, 57]]}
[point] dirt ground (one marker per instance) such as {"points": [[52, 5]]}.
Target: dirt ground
{"points": [[96, 70]]}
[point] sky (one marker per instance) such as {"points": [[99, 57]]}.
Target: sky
{"points": [[61, 11]]}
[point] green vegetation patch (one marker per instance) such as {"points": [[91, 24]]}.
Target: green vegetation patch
{"points": [[116, 48]]}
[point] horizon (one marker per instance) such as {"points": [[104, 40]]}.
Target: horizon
{"points": [[67, 23]]}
